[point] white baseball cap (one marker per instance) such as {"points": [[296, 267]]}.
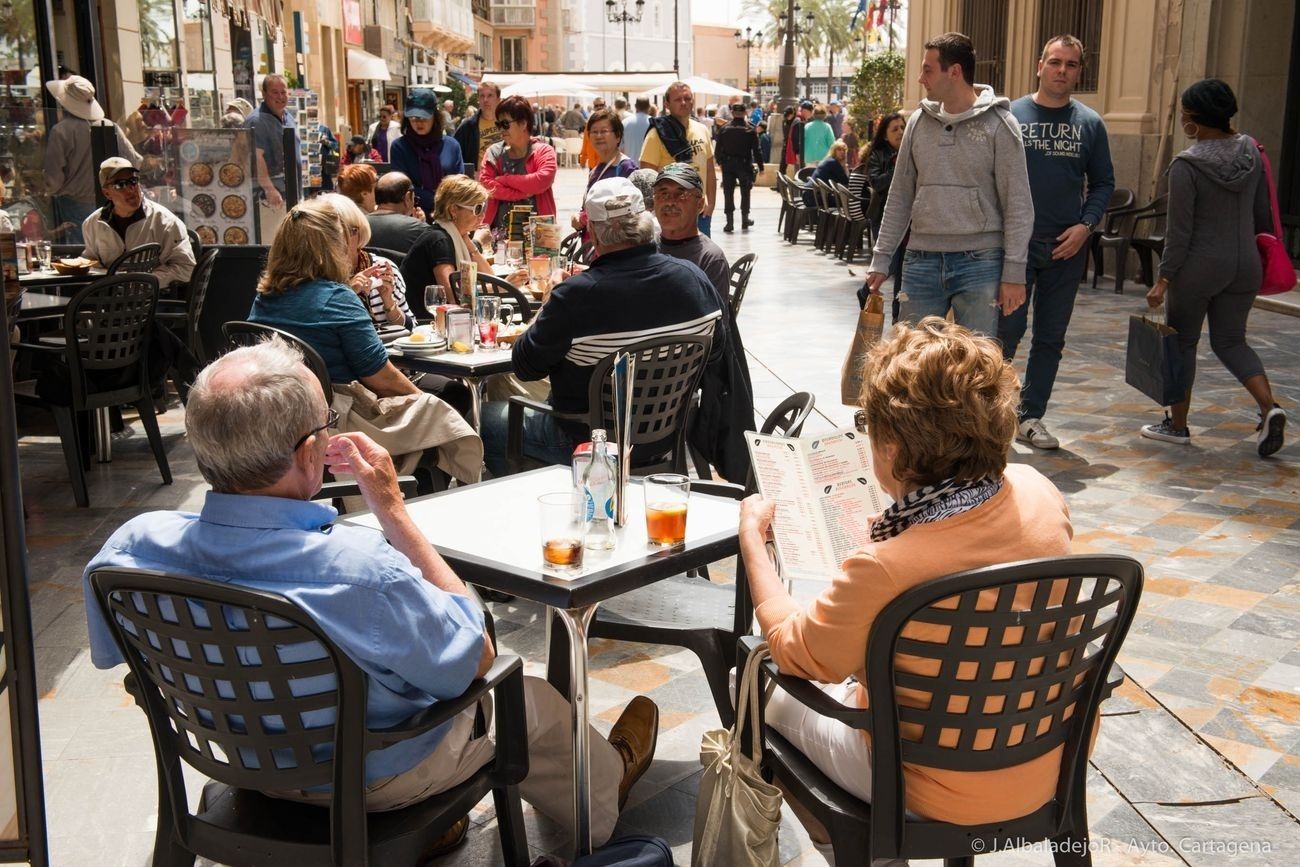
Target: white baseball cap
{"points": [[613, 198]]}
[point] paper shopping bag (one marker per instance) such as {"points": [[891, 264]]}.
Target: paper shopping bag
{"points": [[871, 324], [1154, 365]]}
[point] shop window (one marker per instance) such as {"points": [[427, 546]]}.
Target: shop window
{"points": [[22, 122], [512, 55], [158, 45], [985, 22], [1079, 18]]}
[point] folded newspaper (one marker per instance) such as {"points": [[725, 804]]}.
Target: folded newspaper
{"points": [[825, 494]]}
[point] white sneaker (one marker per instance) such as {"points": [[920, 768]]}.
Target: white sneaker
{"points": [[1271, 428], [1033, 432]]}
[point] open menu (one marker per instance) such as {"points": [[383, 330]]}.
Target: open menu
{"points": [[825, 494]]}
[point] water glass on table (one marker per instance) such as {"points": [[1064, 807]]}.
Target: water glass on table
{"points": [[42, 255], [562, 530], [515, 254], [488, 316], [666, 497]]}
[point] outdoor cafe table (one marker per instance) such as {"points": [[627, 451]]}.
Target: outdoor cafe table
{"points": [[470, 367], [489, 534], [54, 281]]}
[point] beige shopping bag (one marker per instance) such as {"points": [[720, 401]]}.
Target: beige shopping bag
{"points": [[871, 325]]}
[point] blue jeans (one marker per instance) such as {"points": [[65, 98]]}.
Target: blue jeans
{"points": [[69, 210], [1050, 285], [705, 224], [967, 282], [543, 439]]}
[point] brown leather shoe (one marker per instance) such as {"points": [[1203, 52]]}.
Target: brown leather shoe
{"points": [[450, 840], [634, 736]]}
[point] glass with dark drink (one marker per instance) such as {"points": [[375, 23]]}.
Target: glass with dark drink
{"points": [[666, 496], [562, 529]]}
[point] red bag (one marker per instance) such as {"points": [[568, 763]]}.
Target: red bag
{"points": [[1279, 273]]}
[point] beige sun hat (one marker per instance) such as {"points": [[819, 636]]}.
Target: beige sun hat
{"points": [[77, 96]]}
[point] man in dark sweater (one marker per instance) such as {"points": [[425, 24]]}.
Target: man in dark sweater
{"points": [[1067, 154], [397, 223], [630, 293]]}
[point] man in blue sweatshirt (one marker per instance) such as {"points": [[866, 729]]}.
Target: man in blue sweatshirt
{"points": [[1070, 175]]}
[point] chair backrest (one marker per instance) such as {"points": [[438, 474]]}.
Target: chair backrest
{"points": [[397, 257], [1016, 657], [1120, 200], [200, 280], [233, 288], [217, 666], [196, 245], [137, 260], [1151, 215], [242, 333], [843, 197], [110, 322], [741, 270], [668, 371], [489, 284], [570, 245], [804, 173]]}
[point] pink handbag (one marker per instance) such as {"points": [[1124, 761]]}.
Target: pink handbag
{"points": [[1279, 273]]}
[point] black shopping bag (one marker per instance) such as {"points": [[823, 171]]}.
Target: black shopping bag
{"points": [[1154, 365]]}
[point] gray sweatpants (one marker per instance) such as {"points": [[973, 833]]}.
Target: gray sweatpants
{"points": [[1227, 308]]}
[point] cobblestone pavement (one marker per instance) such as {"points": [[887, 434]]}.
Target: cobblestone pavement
{"points": [[1198, 760]]}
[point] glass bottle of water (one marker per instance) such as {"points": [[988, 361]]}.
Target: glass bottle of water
{"points": [[598, 495]]}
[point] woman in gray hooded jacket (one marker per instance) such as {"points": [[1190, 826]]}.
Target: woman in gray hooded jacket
{"points": [[1218, 201]]}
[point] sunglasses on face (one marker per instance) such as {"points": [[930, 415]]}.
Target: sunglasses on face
{"points": [[477, 209], [126, 184], [504, 123]]}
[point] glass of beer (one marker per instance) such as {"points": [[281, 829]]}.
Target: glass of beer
{"points": [[666, 495], [562, 529]]}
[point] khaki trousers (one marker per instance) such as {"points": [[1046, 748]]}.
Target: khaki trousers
{"points": [[269, 220], [548, 786]]}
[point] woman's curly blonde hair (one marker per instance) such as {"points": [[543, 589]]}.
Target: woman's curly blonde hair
{"points": [[945, 398], [310, 244]]}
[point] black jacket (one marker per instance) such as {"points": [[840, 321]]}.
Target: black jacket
{"points": [[737, 148], [467, 134]]}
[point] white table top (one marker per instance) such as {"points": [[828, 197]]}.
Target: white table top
{"points": [[498, 522]]}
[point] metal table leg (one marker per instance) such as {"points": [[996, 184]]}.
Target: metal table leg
{"points": [[103, 436], [576, 621]]}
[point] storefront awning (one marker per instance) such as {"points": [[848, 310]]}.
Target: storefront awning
{"points": [[364, 66], [464, 79]]}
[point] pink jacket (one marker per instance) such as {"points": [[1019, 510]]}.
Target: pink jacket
{"points": [[537, 183]]}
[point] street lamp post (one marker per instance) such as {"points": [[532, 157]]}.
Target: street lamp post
{"points": [[785, 75], [616, 13], [746, 43], [808, 22]]}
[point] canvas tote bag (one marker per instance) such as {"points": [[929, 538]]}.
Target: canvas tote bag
{"points": [[871, 325], [737, 812]]}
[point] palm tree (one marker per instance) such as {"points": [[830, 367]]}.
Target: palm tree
{"points": [[836, 19], [772, 15]]}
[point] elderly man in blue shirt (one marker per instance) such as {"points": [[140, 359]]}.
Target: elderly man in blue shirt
{"points": [[257, 420]]}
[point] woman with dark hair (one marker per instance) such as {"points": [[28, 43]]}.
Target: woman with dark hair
{"points": [[423, 153], [869, 185], [605, 130], [519, 169], [1218, 197]]}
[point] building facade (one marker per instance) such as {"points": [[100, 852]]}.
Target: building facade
{"points": [[594, 43]]}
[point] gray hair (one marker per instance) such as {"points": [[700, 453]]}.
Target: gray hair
{"points": [[245, 412], [633, 230], [644, 180]]}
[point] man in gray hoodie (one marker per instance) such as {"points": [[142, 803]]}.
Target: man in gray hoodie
{"points": [[961, 183]]}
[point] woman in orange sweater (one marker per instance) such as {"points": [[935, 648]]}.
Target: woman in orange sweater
{"points": [[941, 413]]}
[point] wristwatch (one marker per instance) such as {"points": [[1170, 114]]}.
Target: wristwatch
{"points": [[1089, 224]]}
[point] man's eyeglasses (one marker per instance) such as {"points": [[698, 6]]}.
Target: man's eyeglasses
{"points": [[477, 209], [331, 420], [125, 184]]}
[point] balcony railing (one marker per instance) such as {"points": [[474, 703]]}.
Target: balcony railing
{"points": [[452, 15], [515, 13]]}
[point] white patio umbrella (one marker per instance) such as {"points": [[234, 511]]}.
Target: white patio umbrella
{"points": [[547, 85], [702, 85]]}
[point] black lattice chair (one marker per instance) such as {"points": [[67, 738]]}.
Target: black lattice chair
{"points": [[138, 260], [1022, 656], [741, 269], [1122, 200], [1126, 225], [216, 666], [247, 333], [668, 371], [579, 252], [110, 323], [395, 256], [489, 284], [684, 611]]}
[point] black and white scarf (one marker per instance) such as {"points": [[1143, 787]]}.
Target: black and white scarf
{"points": [[933, 503]]}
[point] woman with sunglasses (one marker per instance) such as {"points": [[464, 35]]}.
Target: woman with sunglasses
{"points": [[458, 210], [519, 169], [423, 153]]}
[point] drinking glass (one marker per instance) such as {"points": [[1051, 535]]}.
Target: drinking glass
{"points": [[43, 255], [488, 318], [666, 495], [432, 298], [515, 254], [562, 530]]}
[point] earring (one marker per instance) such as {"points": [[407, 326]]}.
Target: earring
{"points": [[1190, 133]]}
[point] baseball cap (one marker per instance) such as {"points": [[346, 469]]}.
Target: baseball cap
{"points": [[683, 174], [737, 106], [834, 101], [613, 198], [806, 104], [421, 103], [110, 167]]}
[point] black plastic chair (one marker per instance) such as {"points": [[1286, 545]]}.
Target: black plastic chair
{"points": [[668, 371], [578, 251], [1122, 200], [702, 617], [138, 260], [110, 324], [1126, 227], [525, 306], [248, 333], [971, 627], [181, 316], [208, 669], [196, 245], [741, 270], [395, 256], [234, 276]]}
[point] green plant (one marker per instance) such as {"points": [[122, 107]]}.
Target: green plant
{"points": [[458, 96], [877, 87]]}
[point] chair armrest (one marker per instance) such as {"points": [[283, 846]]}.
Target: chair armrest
{"points": [[1114, 679], [718, 489], [39, 347], [429, 718], [805, 692], [528, 403], [332, 490]]}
